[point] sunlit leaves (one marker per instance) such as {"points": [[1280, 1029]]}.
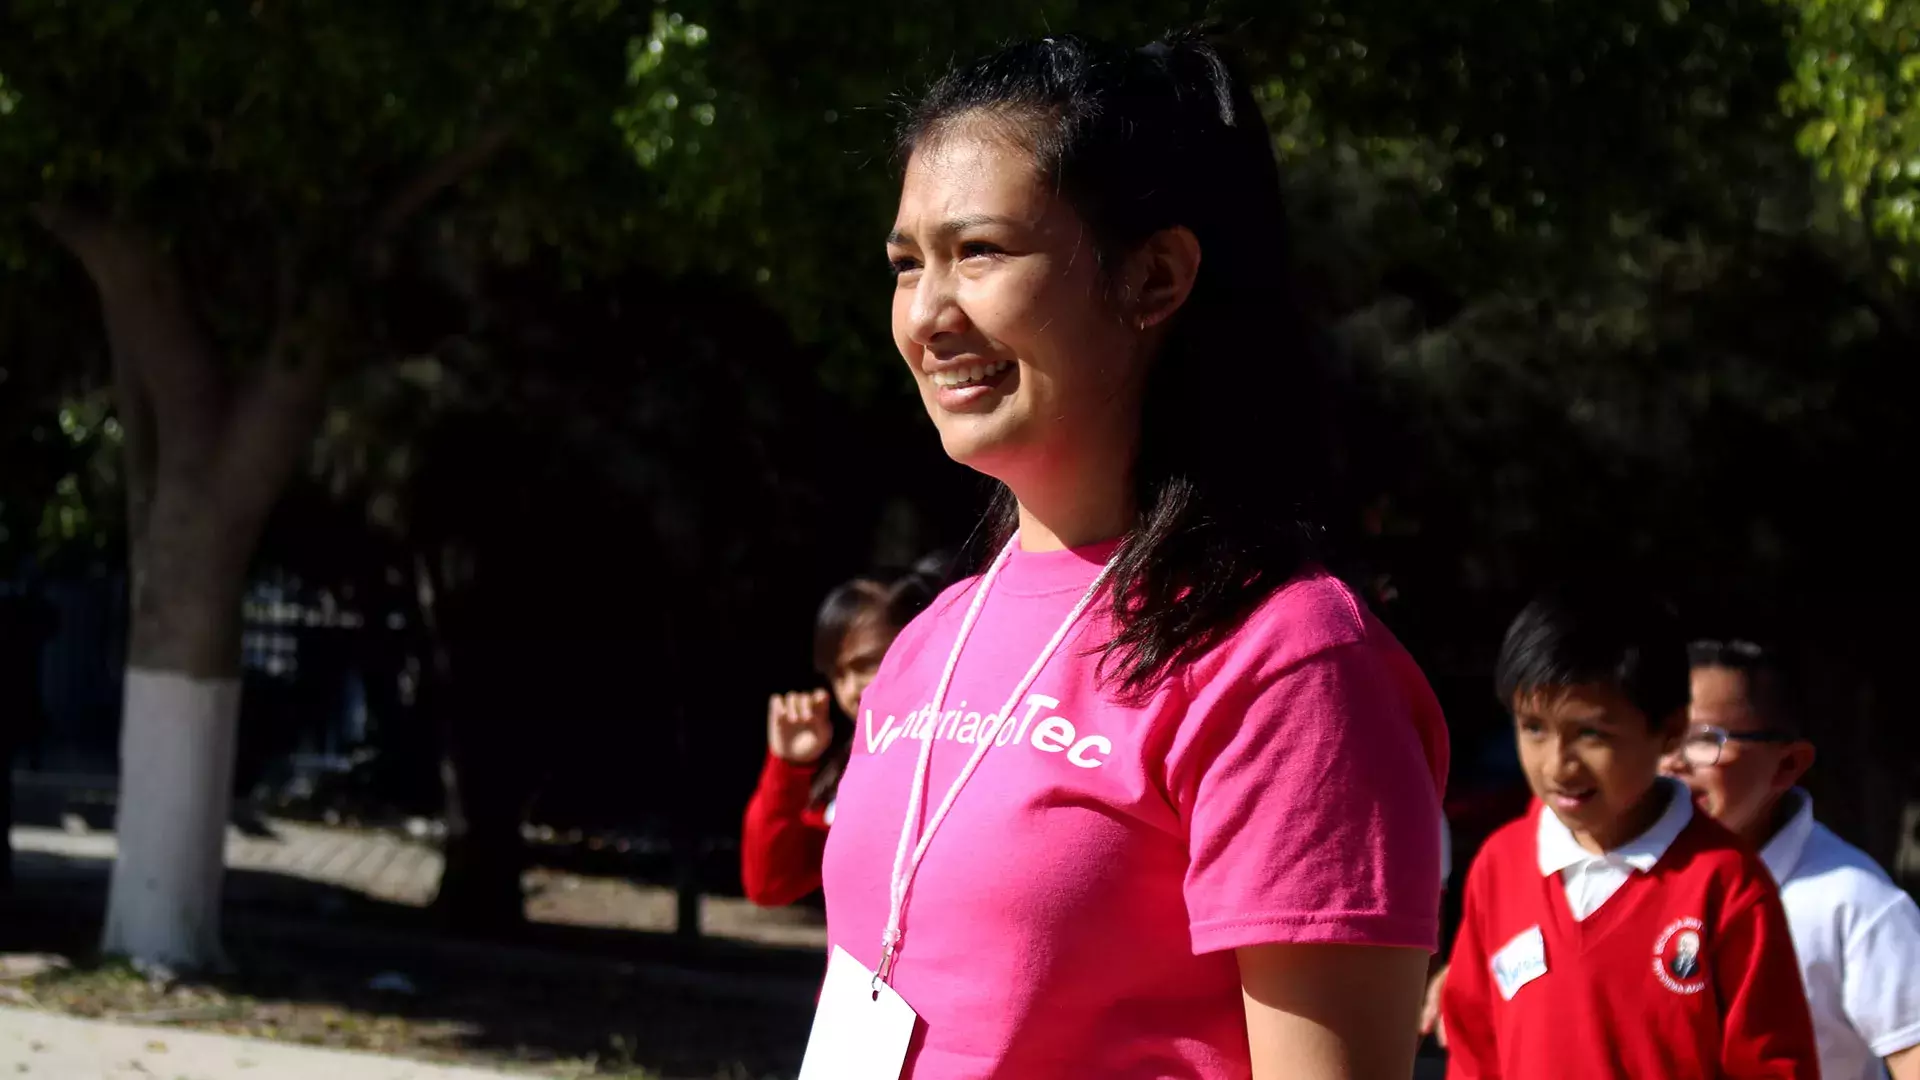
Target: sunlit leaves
{"points": [[670, 89], [226, 119], [80, 511], [1856, 84]]}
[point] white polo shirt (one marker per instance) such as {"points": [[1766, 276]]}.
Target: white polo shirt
{"points": [[1858, 938], [1590, 879]]}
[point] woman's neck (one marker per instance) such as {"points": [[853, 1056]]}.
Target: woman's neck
{"points": [[1072, 515]]}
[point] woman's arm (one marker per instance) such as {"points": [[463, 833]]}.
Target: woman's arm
{"points": [[1332, 1012]]}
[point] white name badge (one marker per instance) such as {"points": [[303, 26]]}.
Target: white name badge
{"points": [[860, 1030], [1519, 962]]}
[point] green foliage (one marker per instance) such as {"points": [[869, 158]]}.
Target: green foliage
{"points": [[61, 503], [251, 135], [60, 494], [769, 128], [1524, 139], [1514, 207], [1856, 83], [84, 515]]}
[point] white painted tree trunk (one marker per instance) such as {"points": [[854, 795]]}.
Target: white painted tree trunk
{"points": [[207, 454], [176, 772]]}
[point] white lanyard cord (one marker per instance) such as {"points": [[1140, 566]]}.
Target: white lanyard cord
{"points": [[905, 868]]}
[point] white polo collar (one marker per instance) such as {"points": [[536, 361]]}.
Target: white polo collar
{"points": [[1558, 849], [1782, 853]]}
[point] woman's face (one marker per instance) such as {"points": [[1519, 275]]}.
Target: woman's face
{"points": [[1030, 373]]}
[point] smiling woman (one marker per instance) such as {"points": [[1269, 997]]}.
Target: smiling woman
{"points": [[1153, 796], [1028, 375]]}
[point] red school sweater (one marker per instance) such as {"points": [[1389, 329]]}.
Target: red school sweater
{"points": [[1687, 972], [784, 836]]}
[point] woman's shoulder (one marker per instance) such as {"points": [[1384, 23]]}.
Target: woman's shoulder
{"points": [[1313, 614]]}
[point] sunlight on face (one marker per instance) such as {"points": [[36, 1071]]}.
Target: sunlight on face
{"points": [[1739, 790], [1000, 312], [1592, 758]]}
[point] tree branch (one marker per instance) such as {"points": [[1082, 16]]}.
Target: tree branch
{"points": [[276, 413], [164, 365], [417, 192]]}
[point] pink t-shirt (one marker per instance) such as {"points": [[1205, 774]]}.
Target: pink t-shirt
{"points": [[1076, 913]]}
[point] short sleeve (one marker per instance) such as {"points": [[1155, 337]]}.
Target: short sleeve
{"points": [[1310, 799], [1882, 993]]}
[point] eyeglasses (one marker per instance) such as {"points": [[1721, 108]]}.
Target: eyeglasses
{"points": [[1705, 742]]}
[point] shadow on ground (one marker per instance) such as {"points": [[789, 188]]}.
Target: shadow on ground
{"points": [[570, 1000]]}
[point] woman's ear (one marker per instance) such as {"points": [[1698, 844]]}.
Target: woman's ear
{"points": [[1162, 271]]}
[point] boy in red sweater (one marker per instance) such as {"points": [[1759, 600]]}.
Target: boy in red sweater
{"points": [[1613, 931]]}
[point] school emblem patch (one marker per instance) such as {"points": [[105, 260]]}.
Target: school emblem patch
{"points": [[1679, 960]]}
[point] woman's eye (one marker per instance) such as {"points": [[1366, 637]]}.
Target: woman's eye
{"points": [[977, 249], [1593, 734], [903, 265]]}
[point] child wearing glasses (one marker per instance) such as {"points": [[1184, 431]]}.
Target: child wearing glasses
{"points": [[1857, 935], [1613, 931]]}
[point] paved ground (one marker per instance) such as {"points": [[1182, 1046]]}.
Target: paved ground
{"points": [[42, 1045], [636, 1000], [378, 865], [398, 870]]}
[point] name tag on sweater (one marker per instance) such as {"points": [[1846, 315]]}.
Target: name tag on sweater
{"points": [[861, 1028], [1519, 962]]}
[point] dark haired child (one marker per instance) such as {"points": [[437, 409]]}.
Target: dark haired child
{"points": [[1613, 931], [785, 832]]}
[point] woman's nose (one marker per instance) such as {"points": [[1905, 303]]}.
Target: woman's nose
{"points": [[935, 311]]}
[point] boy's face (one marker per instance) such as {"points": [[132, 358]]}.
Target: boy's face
{"points": [[1741, 788], [1592, 758]]}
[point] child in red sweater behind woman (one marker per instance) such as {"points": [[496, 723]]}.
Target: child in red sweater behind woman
{"points": [[787, 819], [1612, 931]]}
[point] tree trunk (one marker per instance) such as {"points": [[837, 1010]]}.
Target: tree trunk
{"points": [[176, 762], [207, 456], [480, 885], [686, 836], [482, 767], [205, 461], [484, 772], [179, 728]]}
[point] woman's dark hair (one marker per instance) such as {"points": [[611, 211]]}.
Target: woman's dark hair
{"points": [[1139, 141], [1597, 635], [893, 603]]}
